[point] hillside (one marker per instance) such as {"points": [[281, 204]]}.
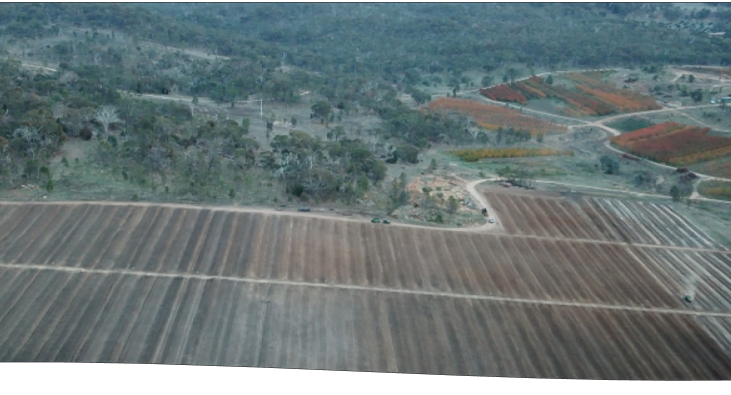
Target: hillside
{"points": [[328, 104], [449, 189]]}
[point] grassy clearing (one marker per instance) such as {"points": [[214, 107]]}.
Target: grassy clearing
{"points": [[630, 124], [720, 167], [715, 189], [712, 218]]}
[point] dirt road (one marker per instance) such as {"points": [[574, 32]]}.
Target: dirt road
{"points": [[633, 114], [698, 121], [484, 203], [601, 125], [323, 215], [641, 194], [495, 228], [140, 273], [542, 74], [703, 177]]}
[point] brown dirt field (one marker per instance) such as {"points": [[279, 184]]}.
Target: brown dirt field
{"points": [[165, 284], [222, 322], [709, 284], [600, 219], [295, 249]]}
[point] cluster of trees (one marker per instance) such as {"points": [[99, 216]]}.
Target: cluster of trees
{"points": [[29, 133], [423, 128], [398, 195], [394, 38], [120, 66], [517, 175], [311, 168], [609, 164], [681, 190], [645, 179], [137, 68], [511, 135], [351, 52], [420, 97], [155, 145], [356, 57], [162, 145]]}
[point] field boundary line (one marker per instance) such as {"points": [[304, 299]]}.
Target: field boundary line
{"points": [[641, 309], [480, 229]]}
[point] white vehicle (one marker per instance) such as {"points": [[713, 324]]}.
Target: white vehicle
{"points": [[491, 220]]}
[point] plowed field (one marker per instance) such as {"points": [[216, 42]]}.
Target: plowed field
{"points": [[156, 284], [598, 219]]}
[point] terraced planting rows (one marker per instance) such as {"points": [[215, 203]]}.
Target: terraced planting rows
{"points": [[674, 143], [146, 319], [589, 96], [719, 329], [649, 223], [319, 251], [493, 117], [598, 219], [704, 275], [160, 284]]}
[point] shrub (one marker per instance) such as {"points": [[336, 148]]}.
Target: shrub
{"points": [[86, 133], [452, 205], [610, 164], [407, 153], [112, 140]]}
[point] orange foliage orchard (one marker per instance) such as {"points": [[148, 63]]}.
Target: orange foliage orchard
{"points": [[674, 143], [492, 117], [591, 95], [473, 155]]}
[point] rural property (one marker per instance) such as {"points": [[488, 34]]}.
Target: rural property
{"points": [[575, 292], [527, 190]]}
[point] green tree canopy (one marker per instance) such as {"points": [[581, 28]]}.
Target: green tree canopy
{"points": [[610, 164]]}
